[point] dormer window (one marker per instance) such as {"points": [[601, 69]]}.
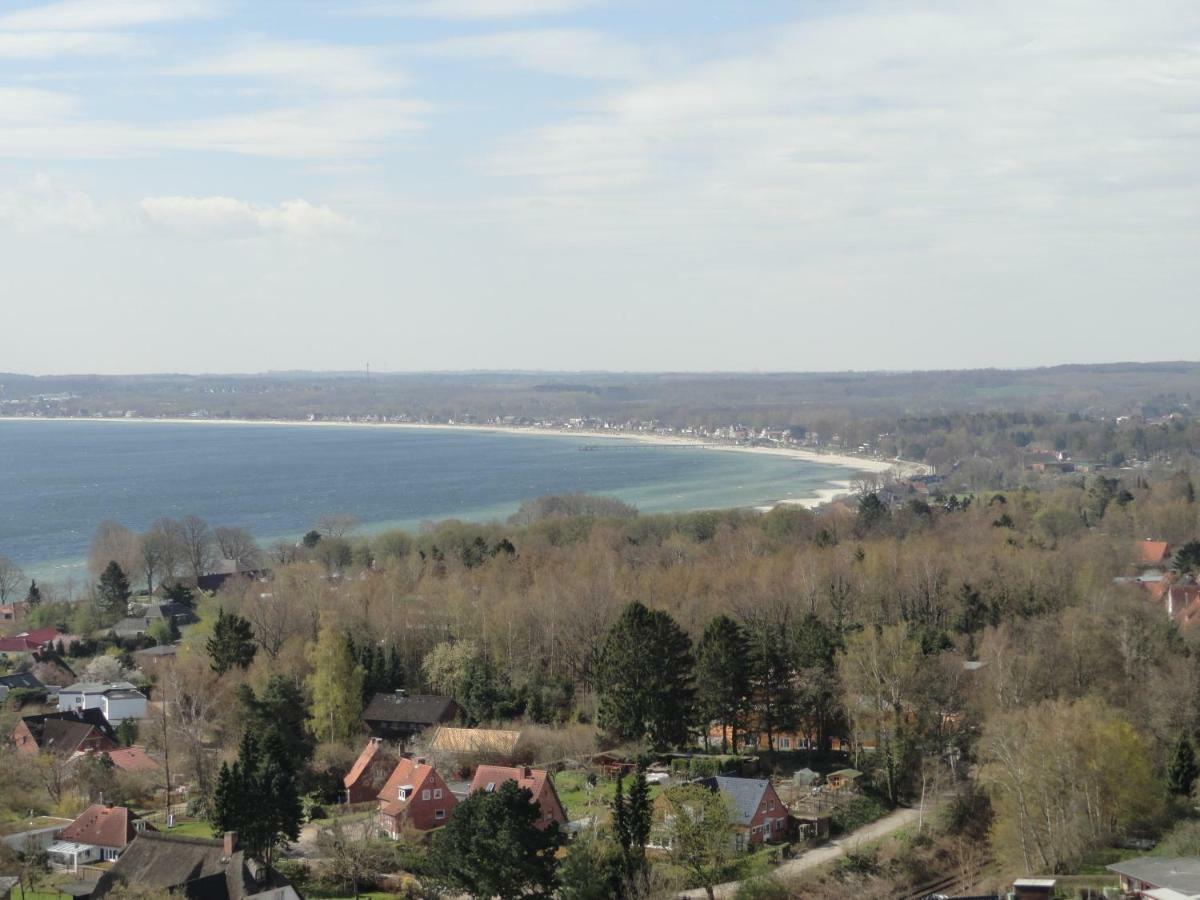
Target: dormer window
{"points": [[491, 786], [405, 792]]}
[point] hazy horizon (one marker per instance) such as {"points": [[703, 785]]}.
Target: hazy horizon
{"points": [[563, 185]]}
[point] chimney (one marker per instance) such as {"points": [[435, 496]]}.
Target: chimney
{"points": [[421, 760], [231, 843], [528, 772]]}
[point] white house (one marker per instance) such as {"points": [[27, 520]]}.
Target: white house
{"points": [[101, 833], [118, 700]]}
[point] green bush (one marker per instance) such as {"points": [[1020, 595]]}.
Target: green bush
{"points": [[764, 887], [860, 811], [857, 863]]}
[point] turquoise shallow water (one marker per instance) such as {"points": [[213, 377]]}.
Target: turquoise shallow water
{"points": [[59, 479]]}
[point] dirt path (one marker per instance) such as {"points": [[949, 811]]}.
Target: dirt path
{"points": [[893, 821]]}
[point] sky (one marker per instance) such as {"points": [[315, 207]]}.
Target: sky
{"points": [[250, 185]]}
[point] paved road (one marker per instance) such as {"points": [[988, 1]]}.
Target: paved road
{"points": [[891, 822]]}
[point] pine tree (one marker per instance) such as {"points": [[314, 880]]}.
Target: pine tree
{"points": [[644, 678], [723, 677], [232, 643], [257, 797], [639, 817], [34, 595], [1183, 769], [112, 592], [336, 684], [620, 817]]}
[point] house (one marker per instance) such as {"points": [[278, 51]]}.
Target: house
{"points": [[1034, 888], [369, 773], [101, 833], [1182, 602], [156, 659], [842, 779], [10, 612], [131, 760], [197, 868], [397, 716], [7, 883], [1159, 877], [18, 681], [1153, 554], [31, 835], [414, 797], [759, 816], [475, 744], [537, 781], [118, 700], [29, 642], [64, 733], [139, 625]]}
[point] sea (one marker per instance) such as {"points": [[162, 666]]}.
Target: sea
{"points": [[60, 478]]}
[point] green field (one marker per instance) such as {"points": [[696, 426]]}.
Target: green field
{"points": [[581, 801]]}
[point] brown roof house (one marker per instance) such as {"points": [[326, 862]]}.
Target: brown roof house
{"points": [[100, 833], [194, 868], [64, 733], [468, 747], [415, 797], [369, 773], [399, 717], [537, 781]]}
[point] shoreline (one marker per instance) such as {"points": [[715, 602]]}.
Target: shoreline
{"points": [[858, 464]]}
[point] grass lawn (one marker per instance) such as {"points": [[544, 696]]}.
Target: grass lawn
{"points": [[42, 894], [581, 801], [194, 828]]}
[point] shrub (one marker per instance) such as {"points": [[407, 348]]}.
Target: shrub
{"points": [[860, 811], [764, 887]]}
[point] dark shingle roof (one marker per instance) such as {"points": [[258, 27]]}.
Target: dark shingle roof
{"points": [[20, 680], [744, 793], [421, 709], [194, 867], [63, 731]]}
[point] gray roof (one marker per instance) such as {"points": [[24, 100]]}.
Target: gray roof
{"points": [[745, 794], [97, 687], [1179, 873], [159, 650]]}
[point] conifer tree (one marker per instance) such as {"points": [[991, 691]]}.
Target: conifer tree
{"points": [[644, 678], [257, 797], [232, 643], [723, 677], [1183, 770], [34, 595], [112, 591]]}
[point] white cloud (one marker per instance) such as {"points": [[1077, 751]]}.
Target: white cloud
{"points": [[336, 68], [474, 9], [574, 53], [222, 217], [49, 44], [88, 15], [927, 118], [33, 105], [44, 205]]}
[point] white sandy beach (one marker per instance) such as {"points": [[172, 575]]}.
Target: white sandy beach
{"points": [[821, 495]]}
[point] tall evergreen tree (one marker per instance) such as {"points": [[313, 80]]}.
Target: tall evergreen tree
{"points": [[723, 677], [644, 678], [257, 797], [112, 591], [772, 679], [34, 595], [620, 816], [1182, 770], [280, 716], [232, 643], [492, 847]]}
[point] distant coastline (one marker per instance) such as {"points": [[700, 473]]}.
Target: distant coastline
{"points": [[903, 468]]}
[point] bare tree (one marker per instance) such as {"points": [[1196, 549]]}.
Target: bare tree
{"points": [[198, 545], [337, 525], [273, 618], [239, 545], [113, 542], [11, 578]]}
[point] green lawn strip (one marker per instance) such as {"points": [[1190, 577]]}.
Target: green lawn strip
{"points": [[580, 801], [199, 828]]}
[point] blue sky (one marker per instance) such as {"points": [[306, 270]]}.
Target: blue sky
{"points": [[227, 185]]}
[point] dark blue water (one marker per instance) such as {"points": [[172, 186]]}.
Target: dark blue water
{"points": [[59, 479]]}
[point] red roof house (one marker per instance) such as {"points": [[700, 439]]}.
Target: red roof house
{"points": [[539, 783], [416, 797], [369, 773], [102, 832], [1153, 553], [133, 760]]}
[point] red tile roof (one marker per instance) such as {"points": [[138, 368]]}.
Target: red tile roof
{"points": [[133, 759], [101, 826], [368, 756], [1152, 553], [497, 775], [407, 773]]}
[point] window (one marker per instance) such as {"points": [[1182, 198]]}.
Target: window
{"points": [[491, 786], [785, 743], [439, 814], [437, 793], [425, 794]]}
